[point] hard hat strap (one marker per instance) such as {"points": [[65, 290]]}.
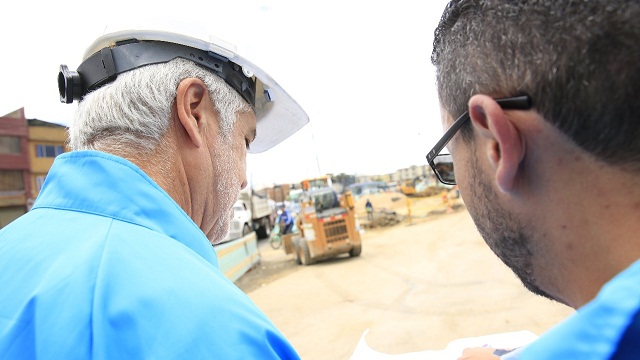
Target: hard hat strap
{"points": [[105, 65]]}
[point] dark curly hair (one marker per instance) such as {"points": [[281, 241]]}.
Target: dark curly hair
{"points": [[577, 59]]}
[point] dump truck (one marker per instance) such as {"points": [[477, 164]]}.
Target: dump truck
{"points": [[326, 227], [262, 212]]}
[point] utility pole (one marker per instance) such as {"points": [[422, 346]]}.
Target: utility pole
{"points": [[315, 149]]}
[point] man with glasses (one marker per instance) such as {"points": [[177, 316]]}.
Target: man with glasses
{"points": [[540, 103]]}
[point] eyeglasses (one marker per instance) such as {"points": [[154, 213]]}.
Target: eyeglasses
{"points": [[442, 164]]}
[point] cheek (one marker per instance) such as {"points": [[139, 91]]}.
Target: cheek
{"points": [[240, 162], [463, 169], [242, 167], [224, 174], [465, 161]]}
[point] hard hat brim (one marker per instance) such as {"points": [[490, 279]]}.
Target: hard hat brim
{"points": [[278, 115]]}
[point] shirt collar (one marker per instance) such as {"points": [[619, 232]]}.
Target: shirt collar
{"points": [[108, 185]]}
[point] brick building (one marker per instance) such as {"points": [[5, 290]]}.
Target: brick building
{"points": [[14, 166], [46, 141], [27, 150]]}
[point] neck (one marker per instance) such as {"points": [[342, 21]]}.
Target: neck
{"points": [[593, 230], [164, 166]]}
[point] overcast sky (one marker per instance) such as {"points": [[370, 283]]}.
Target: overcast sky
{"points": [[360, 69]]}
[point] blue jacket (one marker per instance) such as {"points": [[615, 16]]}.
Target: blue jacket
{"points": [[285, 216], [608, 327], [107, 266]]}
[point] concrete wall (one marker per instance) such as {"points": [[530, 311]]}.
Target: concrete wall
{"points": [[236, 257]]}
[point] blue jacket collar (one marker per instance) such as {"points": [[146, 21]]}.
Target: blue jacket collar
{"points": [[107, 185]]}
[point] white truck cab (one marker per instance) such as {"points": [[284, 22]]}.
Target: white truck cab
{"points": [[241, 224]]}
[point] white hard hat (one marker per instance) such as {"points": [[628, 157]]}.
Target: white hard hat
{"points": [[278, 115]]}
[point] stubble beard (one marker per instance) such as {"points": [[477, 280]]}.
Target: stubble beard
{"points": [[227, 193], [504, 233]]}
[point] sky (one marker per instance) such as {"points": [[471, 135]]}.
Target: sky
{"points": [[360, 69]]}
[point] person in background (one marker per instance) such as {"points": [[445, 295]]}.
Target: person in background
{"points": [[540, 103], [369, 207], [115, 260], [285, 220]]}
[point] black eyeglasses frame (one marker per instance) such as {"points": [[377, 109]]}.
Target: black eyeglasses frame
{"points": [[522, 102]]}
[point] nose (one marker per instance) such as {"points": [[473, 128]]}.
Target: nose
{"points": [[244, 184]]}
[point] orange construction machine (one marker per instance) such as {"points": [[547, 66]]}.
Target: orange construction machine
{"points": [[326, 227]]}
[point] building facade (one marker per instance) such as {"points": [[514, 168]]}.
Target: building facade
{"points": [[14, 166], [27, 150], [412, 172], [46, 141]]}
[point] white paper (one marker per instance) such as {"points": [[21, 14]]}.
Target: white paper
{"points": [[509, 340]]}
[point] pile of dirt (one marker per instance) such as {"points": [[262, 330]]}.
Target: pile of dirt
{"points": [[388, 208], [382, 218], [387, 201]]}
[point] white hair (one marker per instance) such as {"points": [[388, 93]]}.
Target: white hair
{"points": [[133, 112]]}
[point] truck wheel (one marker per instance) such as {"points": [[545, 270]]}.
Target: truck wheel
{"points": [[305, 256], [267, 227], [296, 248], [264, 231], [246, 230], [355, 250]]}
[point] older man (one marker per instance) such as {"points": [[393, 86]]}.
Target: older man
{"points": [[547, 156], [115, 259]]}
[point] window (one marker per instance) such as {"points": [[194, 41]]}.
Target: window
{"points": [[49, 151], [40, 182], [11, 181], [9, 145]]}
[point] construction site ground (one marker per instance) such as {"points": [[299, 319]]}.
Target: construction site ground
{"points": [[417, 285]]}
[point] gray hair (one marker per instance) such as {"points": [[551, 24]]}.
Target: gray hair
{"points": [[577, 59], [133, 112]]}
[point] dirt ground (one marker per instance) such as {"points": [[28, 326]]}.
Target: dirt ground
{"points": [[415, 287], [270, 269], [275, 264]]}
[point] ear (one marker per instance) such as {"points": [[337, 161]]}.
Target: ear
{"points": [[504, 145], [191, 106]]}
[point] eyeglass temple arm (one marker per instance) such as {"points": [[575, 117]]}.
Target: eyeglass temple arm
{"points": [[447, 136], [513, 103]]}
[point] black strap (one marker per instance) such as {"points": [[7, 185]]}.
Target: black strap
{"points": [[105, 65]]}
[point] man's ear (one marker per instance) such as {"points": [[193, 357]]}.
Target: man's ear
{"points": [[504, 146], [191, 107]]}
